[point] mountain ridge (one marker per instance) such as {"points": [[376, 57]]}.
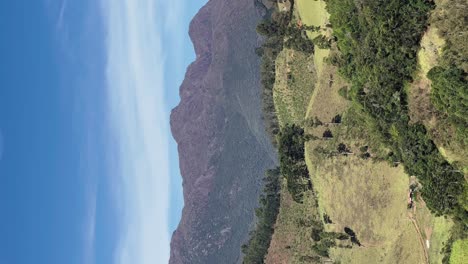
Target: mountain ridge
{"points": [[223, 147]]}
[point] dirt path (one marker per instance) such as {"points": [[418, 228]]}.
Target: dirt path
{"points": [[420, 236]]}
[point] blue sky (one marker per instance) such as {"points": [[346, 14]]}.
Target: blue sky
{"points": [[88, 168]]}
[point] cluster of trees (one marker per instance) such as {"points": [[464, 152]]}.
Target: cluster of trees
{"points": [[291, 140], [322, 42], [449, 95], [257, 247], [378, 43], [324, 240], [442, 183]]}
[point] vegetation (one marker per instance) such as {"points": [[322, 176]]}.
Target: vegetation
{"points": [[378, 41], [449, 95], [291, 142], [257, 247], [459, 252]]}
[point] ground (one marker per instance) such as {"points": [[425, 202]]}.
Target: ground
{"points": [[366, 195], [369, 196]]}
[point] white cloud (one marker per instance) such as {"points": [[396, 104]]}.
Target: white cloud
{"points": [[138, 123]]}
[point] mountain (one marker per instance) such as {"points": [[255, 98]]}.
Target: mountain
{"points": [[223, 147]]}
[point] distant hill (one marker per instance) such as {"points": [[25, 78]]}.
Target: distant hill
{"points": [[223, 147]]}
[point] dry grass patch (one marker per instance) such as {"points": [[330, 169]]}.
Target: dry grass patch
{"points": [[295, 82], [291, 242]]}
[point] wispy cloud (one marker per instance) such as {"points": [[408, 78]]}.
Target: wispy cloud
{"points": [[138, 123], [59, 22]]}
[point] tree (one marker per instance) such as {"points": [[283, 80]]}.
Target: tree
{"points": [[449, 93], [322, 42], [336, 119], [327, 134], [343, 149]]}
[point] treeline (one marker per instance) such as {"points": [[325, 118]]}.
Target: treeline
{"points": [[278, 33], [291, 142], [378, 42], [257, 247]]}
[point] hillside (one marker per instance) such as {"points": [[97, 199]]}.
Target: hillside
{"points": [[223, 147], [379, 103]]}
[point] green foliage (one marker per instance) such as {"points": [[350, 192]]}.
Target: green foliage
{"points": [[378, 41], [459, 252], [442, 184], [449, 95], [291, 140], [322, 42], [257, 247]]}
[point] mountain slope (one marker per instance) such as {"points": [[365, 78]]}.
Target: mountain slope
{"points": [[223, 147]]}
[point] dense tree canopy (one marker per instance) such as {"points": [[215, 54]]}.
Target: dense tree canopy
{"points": [[450, 93]]}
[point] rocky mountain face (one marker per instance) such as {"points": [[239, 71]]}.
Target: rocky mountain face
{"points": [[223, 147]]}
